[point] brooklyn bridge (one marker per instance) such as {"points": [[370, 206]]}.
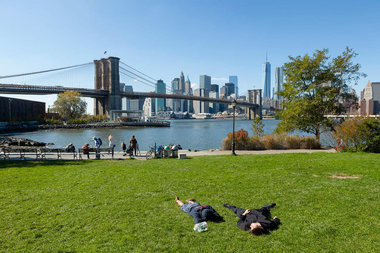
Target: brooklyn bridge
{"points": [[107, 91]]}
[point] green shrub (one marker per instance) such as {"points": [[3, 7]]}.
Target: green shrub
{"points": [[359, 135], [53, 121], [369, 133], [95, 118], [76, 121], [258, 127]]}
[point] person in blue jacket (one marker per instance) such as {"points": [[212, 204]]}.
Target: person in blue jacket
{"points": [[198, 212]]}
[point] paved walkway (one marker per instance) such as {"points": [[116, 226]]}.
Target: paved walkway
{"points": [[119, 155]]}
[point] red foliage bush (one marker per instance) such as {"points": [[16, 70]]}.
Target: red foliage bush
{"points": [[240, 135]]}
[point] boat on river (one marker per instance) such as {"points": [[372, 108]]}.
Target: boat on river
{"points": [[202, 116]]}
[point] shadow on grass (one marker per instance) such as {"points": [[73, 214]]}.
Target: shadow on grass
{"points": [[11, 164]]}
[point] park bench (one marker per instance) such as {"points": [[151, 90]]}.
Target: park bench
{"points": [[60, 151], [7, 152], [95, 151], [39, 152]]}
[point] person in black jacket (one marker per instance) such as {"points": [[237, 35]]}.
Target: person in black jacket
{"points": [[257, 221]]}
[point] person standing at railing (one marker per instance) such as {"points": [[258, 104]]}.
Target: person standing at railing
{"points": [[98, 142], [133, 144]]}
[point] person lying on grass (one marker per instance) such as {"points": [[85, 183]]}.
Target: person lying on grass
{"points": [[198, 212], [257, 221]]}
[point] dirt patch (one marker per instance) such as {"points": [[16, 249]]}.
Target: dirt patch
{"points": [[316, 176], [343, 176]]}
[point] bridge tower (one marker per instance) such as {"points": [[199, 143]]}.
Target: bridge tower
{"points": [[255, 97], [107, 78]]}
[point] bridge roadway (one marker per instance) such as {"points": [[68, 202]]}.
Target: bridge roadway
{"points": [[46, 90]]}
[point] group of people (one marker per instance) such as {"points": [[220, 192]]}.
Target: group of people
{"points": [[133, 146], [257, 221], [169, 147]]}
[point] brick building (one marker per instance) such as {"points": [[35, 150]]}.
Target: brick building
{"points": [[370, 99], [13, 109]]}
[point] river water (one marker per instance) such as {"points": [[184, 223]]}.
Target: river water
{"points": [[191, 134]]}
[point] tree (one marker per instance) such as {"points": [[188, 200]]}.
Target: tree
{"points": [[69, 105], [314, 87], [257, 127]]}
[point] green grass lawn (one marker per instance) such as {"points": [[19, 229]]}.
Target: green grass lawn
{"points": [[124, 206]]}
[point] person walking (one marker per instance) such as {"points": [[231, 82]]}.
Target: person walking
{"points": [[257, 221], [133, 144]]}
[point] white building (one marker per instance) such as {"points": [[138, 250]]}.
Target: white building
{"points": [[149, 107]]}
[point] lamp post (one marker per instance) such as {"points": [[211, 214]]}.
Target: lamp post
{"points": [[10, 109], [233, 127]]}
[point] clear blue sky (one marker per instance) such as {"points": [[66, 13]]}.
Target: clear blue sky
{"points": [[164, 37]]}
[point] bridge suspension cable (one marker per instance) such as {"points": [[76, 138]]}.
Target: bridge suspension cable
{"points": [[138, 76], [154, 79], [45, 71], [138, 79]]}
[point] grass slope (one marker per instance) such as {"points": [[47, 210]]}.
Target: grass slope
{"points": [[124, 206]]}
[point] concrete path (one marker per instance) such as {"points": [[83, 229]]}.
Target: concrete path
{"points": [[119, 155]]}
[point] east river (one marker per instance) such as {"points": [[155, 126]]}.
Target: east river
{"points": [[191, 134]]}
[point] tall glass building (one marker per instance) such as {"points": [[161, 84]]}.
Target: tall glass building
{"points": [[278, 81], [205, 82], [160, 104], [266, 81], [234, 80]]}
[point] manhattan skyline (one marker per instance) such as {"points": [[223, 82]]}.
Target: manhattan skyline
{"points": [[215, 38]]}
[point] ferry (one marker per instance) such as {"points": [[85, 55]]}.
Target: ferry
{"points": [[202, 116]]}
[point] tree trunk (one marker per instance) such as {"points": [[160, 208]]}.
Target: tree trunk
{"points": [[317, 134]]}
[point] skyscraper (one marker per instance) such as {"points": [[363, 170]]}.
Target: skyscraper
{"points": [[126, 102], [175, 85], [223, 92], [214, 107], [181, 86], [205, 82], [200, 106], [278, 81], [234, 80], [214, 93], [175, 104], [370, 99], [188, 91], [160, 103], [188, 86], [181, 90], [215, 87], [230, 88], [266, 80]]}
